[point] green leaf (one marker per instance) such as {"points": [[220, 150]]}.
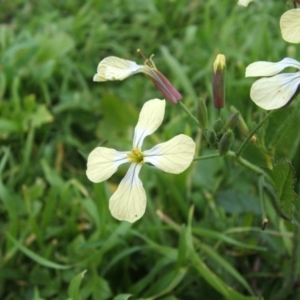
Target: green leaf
{"points": [[73, 291], [54, 46], [167, 283], [36, 294], [7, 127], [226, 265], [284, 179], [37, 258], [101, 288], [41, 116], [225, 238], [122, 297], [216, 282]]}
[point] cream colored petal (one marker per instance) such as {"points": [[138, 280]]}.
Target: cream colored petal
{"points": [[115, 68], [275, 92], [151, 116], [265, 68], [103, 163], [290, 26], [173, 156], [129, 201], [244, 2]]}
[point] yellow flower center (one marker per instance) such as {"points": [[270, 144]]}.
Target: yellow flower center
{"points": [[136, 156]]}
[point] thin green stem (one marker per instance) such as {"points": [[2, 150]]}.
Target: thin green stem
{"points": [[265, 221], [261, 195], [247, 164], [243, 145], [191, 116], [204, 157]]}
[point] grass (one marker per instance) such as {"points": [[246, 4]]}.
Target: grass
{"points": [[200, 237]]}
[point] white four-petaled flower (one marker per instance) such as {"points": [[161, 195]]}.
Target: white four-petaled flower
{"points": [[290, 25], [115, 68], [244, 2], [273, 92], [174, 156]]}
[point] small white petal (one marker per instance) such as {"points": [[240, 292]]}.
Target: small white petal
{"points": [[115, 68], [275, 92], [173, 156], [151, 116], [103, 163], [265, 68], [290, 25], [244, 2], [129, 201]]}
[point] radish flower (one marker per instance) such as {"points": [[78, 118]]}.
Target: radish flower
{"points": [[174, 156], [244, 2], [277, 91], [115, 68], [290, 25]]}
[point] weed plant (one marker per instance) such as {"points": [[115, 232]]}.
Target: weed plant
{"points": [[201, 236]]}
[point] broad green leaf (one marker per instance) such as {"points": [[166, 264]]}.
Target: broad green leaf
{"points": [[238, 201], [73, 291], [37, 258], [283, 129], [284, 180]]}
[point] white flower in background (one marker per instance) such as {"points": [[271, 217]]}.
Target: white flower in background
{"points": [[290, 25], [174, 156], [273, 92], [244, 2], [115, 68]]}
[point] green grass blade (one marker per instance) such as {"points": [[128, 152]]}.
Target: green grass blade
{"points": [[37, 258]]}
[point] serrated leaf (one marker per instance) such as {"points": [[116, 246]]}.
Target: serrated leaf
{"points": [[284, 179]]}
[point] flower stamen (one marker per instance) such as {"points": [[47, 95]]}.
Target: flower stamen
{"points": [[136, 156], [147, 61]]}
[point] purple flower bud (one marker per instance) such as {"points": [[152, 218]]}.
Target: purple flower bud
{"points": [[164, 85], [218, 81]]}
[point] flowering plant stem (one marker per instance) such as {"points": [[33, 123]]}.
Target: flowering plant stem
{"points": [[247, 164], [243, 145], [261, 183], [204, 157], [189, 113]]}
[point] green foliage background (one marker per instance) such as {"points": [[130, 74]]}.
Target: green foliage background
{"points": [[55, 224]]}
